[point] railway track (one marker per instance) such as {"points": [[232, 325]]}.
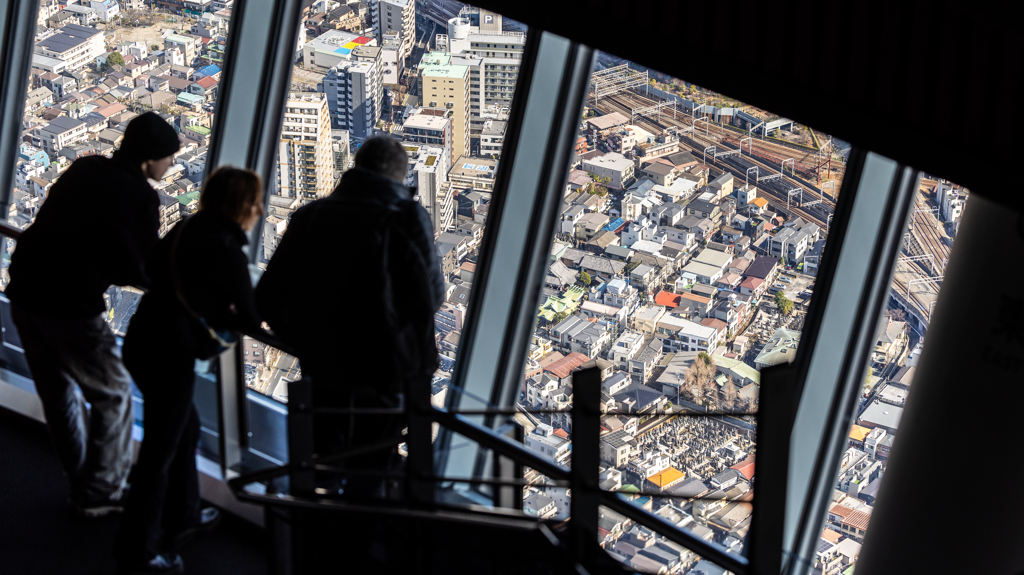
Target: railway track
{"points": [[775, 191], [806, 161]]}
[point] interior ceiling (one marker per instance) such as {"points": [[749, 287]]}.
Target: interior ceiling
{"points": [[934, 84]]}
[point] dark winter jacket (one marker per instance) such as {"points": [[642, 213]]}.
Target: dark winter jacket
{"points": [[323, 289], [94, 230], [213, 274]]}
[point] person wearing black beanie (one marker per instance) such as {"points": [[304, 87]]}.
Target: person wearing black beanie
{"points": [[95, 229]]}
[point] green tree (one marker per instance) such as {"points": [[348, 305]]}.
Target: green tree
{"points": [[115, 59], [585, 278], [558, 317], [782, 302]]}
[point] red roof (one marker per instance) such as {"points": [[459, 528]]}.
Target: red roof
{"points": [[207, 82], [563, 367], [561, 433], [111, 109], [718, 324], [667, 299], [752, 283], [831, 536], [858, 519], [746, 467], [840, 510], [696, 298]]}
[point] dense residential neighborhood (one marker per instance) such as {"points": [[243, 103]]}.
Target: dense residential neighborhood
{"points": [[678, 278]]}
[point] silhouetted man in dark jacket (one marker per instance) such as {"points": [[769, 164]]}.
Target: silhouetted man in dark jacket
{"points": [[353, 288], [94, 230]]}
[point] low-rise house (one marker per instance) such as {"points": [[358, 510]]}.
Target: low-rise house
{"points": [[780, 348], [614, 166]]}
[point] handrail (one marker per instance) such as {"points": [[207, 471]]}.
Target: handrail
{"points": [[263, 336], [486, 437], [271, 339], [582, 477]]}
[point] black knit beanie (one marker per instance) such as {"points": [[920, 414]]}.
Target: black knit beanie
{"points": [[148, 137]]}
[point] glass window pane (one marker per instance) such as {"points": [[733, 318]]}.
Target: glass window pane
{"points": [[889, 375], [683, 262], [94, 68], [431, 86]]}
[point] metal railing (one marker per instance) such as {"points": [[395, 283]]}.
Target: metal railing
{"points": [[420, 478]]}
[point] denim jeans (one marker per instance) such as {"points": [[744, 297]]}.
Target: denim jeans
{"points": [[75, 362]]}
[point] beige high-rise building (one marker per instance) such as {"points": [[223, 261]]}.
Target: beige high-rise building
{"points": [[446, 85], [305, 163]]}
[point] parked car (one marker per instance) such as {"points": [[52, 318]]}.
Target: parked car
{"points": [[785, 279]]}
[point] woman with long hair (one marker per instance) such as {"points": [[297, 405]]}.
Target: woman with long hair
{"points": [[200, 294]]}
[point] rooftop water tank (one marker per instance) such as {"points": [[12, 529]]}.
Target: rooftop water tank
{"points": [[458, 29]]}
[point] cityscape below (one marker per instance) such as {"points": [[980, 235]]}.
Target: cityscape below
{"points": [[683, 261]]}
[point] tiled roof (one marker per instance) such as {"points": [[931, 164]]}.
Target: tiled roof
{"points": [[858, 520]]}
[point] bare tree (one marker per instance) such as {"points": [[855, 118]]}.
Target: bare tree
{"points": [[730, 395], [706, 370]]}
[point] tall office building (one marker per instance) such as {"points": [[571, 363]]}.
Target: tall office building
{"points": [[475, 39], [354, 91], [434, 191], [305, 164], [446, 85]]}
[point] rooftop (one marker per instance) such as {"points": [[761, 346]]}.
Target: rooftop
{"points": [[69, 37], [445, 71]]}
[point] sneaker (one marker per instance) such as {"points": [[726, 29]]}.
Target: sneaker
{"points": [[95, 508], [209, 517], [170, 564]]}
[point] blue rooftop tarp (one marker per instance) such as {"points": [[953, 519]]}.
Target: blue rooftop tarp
{"points": [[614, 225]]}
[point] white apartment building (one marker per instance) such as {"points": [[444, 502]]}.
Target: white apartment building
{"points": [[475, 38], [84, 14], [136, 49], [951, 202], [305, 164], [492, 138], [543, 440], [621, 295], [47, 8], [187, 45], [273, 230], [391, 58], [60, 132], [77, 45], [684, 335], [613, 166], [629, 344], [342, 152], [395, 16], [106, 10], [434, 191], [431, 126], [354, 89]]}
